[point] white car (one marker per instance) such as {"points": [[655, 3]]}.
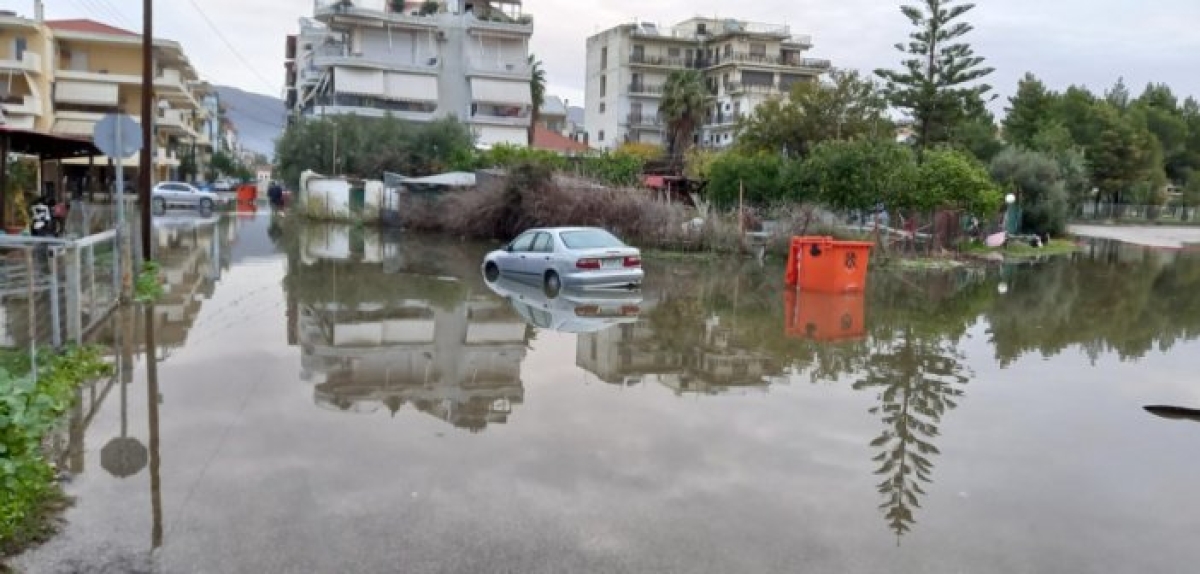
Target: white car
{"points": [[557, 257], [176, 194]]}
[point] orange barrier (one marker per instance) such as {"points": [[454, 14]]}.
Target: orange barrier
{"points": [[825, 317], [827, 266], [247, 193]]}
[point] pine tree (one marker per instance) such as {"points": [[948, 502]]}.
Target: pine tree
{"points": [[1029, 112], [939, 78]]}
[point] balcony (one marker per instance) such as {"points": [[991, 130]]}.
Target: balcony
{"points": [[745, 58], [668, 62], [336, 11], [28, 62], [177, 122], [644, 89], [22, 106], [100, 76], [636, 120], [330, 56], [723, 119], [503, 70], [500, 24], [764, 89]]}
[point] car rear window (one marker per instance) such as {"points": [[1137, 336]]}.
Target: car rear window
{"points": [[590, 239]]}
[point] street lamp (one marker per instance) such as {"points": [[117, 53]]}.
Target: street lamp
{"points": [[1010, 219]]}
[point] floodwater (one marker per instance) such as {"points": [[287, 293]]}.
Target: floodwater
{"points": [[324, 399]]}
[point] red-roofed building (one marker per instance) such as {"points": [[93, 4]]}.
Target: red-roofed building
{"points": [[545, 139], [85, 26]]}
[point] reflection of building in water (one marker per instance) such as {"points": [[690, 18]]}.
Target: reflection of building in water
{"points": [[191, 255], [635, 353], [373, 334]]}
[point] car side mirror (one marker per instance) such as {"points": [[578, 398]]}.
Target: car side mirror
{"points": [[508, 248]]}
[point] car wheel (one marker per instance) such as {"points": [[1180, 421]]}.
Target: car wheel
{"points": [[160, 205], [552, 284], [491, 272], [206, 206]]}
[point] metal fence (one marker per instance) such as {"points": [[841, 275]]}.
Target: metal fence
{"points": [[55, 291], [1134, 213]]}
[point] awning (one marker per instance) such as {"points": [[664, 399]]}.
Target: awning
{"points": [[89, 93], [358, 81], [501, 92], [412, 87]]}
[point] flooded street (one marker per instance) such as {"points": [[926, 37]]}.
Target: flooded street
{"points": [[329, 399]]}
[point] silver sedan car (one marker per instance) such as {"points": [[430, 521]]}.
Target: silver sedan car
{"points": [[584, 257], [172, 194]]}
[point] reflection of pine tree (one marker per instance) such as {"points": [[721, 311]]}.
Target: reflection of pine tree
{"points": [[918, 381]]}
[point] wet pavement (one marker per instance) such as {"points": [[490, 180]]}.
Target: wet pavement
{"points": [[327, 399]]}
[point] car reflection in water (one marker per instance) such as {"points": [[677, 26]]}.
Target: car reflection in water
{"points": [[573, 310], [382, 324]]}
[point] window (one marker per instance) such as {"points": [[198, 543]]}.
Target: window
{"points": [[524, 242], [728, 50], [672, 52], [590, 239], [758, 50], [604, 58], [639, 53], [543, 243], [603, 107], [600, 136], [636, 82], [603, 86]]}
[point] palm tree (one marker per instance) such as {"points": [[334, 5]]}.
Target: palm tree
{"points": [[537, 89], [684, 100]]}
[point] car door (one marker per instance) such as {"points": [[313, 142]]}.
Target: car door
{"points": [[189, 194], [541, 254], [514, 260]]}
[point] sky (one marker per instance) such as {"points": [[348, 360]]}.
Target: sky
{"points": [[1090, 42]]}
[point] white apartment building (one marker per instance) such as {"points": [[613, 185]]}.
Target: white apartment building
{"points": [[468, 59], [743, 64]]}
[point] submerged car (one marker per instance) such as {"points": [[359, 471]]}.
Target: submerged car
{"points": [[173, 194], [557, 257], [573, 311]]}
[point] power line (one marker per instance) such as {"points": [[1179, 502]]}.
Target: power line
{"points": [[125, 19], [236, 53]]}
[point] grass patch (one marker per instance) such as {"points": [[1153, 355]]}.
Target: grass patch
{"points": [[149, 285], [1023, 250], [29, 411]]}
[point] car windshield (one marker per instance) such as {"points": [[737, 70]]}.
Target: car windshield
{"points": [[590, 239]]}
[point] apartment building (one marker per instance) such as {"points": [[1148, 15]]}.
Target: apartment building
{"points": [[466, 58], [743, 64], [62, 76]]}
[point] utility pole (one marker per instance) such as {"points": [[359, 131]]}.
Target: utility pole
{"points": [[145, 163]]}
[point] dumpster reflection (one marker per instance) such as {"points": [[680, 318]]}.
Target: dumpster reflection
{"points": [[824, 317]]}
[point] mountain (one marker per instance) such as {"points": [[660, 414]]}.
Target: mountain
{"points": [[575, 115], [259, 119]]}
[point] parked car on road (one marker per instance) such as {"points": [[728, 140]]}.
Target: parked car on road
{"points": [[585, 257], [175, 194]]}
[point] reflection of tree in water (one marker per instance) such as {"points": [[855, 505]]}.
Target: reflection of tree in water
{"points": [[918, 380], [1101, 303], [916, 368]]}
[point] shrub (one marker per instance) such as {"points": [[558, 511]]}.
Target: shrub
{"points": [[1038, 181], [29, 410]]}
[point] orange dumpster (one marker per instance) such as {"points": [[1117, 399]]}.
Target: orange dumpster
{"points": [[247, 193], [825, 317], [827, 266]]}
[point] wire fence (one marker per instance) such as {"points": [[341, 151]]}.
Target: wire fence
{"points": [[1136, 213], [53, 292]]}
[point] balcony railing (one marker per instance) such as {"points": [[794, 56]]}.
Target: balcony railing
{"points": [[738, 88], [771, 60], [522, 24], [643, 120], [673, 62], [28, 62], [644, 88], [22, 105], [507, 69], [338, 54], [326, 9], [723, 119]]}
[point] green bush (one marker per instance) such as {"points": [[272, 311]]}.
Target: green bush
{"points": [[1038, 181], [29, 410], [761, 175]]}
